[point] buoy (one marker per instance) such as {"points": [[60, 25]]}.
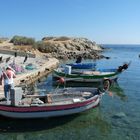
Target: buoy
{"points": [[61, 80], [110, 94]]}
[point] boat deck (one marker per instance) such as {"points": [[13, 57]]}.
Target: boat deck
{"points": [[49, 100], [88, 72]]}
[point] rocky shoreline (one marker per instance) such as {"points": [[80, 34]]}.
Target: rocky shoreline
{"points": [[74, 55], [51, 49]]}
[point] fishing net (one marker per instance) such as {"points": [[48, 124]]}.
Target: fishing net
{"points": [[30, 66], [19, 69]]}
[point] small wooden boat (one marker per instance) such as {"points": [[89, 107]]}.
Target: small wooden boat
{"points": [[87, 75], [62, 102], [82, 65]]}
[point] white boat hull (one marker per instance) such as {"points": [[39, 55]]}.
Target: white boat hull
{"points": [[45, 114]]}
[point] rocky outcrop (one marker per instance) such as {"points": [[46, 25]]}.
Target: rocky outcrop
{"points": [[69, 48], [60, 47]]}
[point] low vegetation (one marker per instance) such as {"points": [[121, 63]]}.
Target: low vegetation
{"points": [[21, 40], [44, 47], [24, 48], [2, 39], [61, 38]]}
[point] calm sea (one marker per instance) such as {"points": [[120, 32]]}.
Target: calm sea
{"points": [[117, 117]]}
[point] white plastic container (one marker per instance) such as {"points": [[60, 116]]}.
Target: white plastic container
{"points": [[67, 69], [16, 95]]}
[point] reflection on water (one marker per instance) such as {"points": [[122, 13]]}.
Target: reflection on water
{"points": [[118, 91], [27, 125], [77, 84], [52, 128]]}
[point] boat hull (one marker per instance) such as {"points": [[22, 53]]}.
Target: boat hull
{"points": [[48, 111], [82, 65], [83, 77]]}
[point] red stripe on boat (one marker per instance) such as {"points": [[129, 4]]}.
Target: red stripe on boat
{"points": [[46, 108]]}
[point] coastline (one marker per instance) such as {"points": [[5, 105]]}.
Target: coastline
{"points": [[44, 55]]}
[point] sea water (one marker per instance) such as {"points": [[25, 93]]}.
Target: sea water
{"points": [[117, 117]]}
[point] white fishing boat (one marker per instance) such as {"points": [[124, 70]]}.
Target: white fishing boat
{"points": [[62, 102]]}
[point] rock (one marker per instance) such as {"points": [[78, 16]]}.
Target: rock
{"points": [[107, 57], [73, 47], [119, 115]]}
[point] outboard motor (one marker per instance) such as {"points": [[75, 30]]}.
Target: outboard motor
{"points": [[125, 66], [120, 68]]}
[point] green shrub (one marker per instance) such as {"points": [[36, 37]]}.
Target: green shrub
{"points": [[44, 47], [62, 38], [47, 38], [21, 40]]}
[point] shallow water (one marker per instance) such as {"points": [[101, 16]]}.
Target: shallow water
{"points": [[116, 118]]}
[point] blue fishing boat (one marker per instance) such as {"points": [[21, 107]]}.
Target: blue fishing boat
{"points": [[89, 65]]}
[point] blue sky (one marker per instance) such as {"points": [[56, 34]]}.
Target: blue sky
{"points": [[104, 21]]}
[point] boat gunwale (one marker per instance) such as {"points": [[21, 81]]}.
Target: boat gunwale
{"points": [[86, 76], [50, 107]]}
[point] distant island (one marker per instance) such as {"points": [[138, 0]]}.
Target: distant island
{"points": [[59, 47]]}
